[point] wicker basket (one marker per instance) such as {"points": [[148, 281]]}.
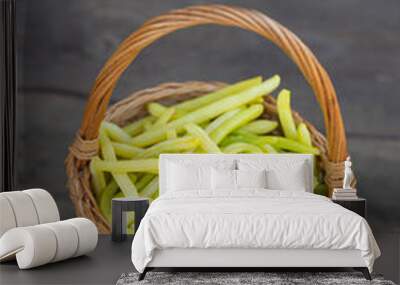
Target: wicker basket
{"points": [[333, 148]]}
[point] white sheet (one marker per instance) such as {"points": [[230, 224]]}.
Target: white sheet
{"points": [[252, 218]]}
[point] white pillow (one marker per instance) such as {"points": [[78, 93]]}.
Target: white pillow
{"points": [[188, 177], [251, 178], [223, 179], [282, 174], [193, 174], [293, 180]]}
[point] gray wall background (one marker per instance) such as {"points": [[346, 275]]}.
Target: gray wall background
{"points": [[63, 44]]}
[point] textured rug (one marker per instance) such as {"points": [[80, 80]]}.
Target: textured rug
{"points": [[232, 278]]}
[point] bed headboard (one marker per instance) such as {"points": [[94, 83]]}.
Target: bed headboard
{"points": [[210, 158]]}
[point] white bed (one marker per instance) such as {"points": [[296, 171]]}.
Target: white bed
{"points": [[249, 227]]}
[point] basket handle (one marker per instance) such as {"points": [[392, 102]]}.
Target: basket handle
{"points": [[247, 19]]}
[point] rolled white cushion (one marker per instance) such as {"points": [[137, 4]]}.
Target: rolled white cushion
{"points": [[66, 238], [45, 205], [87, 235], [33, 246], [40, 244], [7, 218], [23, 208]]}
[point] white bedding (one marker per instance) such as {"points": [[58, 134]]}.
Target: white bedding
{"points": [[252, 218]]}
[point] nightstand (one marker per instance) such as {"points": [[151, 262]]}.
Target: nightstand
{"points": [[358, 205], [120, 206]]}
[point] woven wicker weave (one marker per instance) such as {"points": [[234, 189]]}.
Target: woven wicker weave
{"points": [[85, 146]]}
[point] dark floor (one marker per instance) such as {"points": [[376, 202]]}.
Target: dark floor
{"points": [[389, 262], [103, 266], [110, 260]]}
